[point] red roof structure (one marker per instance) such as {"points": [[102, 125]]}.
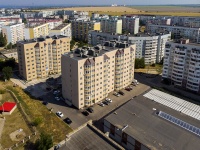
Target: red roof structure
{"points": [[7, 106]]}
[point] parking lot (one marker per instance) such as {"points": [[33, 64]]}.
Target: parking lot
{"points": [[76, 115]]}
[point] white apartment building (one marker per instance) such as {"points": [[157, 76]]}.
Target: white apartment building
{"points": [[13, 32], [63, 29], [110, 25], [150, 47], [90, 74], [130, 24], [182, 65], [178, 32]]}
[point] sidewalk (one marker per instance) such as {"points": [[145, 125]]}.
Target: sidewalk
{"points": [[2, 121]]}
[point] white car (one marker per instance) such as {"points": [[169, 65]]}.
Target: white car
{"points": [[59, 114], [57, 98], [101, 104], [109, 100], [56, 92], [116, 94]]}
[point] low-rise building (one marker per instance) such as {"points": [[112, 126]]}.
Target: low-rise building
{"points": [[36, 31], [80, 28], [89, 74], [148, 46], [63, 29], [13, 32], [40, 57], [182, 65], [10, 53]]}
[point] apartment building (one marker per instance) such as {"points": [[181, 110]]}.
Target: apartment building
{"points": [[63, 29], [36, 31], [177, 31], [110, 25], [80, 28], [89, 74], [182, 65], [130, 24], [13, 32], [40, 57], [148, 46]]}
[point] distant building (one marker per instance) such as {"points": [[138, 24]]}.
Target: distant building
{"points": [[63, 29], [36, 31], [148, 46], [177, 31], [80, 29], [130, 24], [90, 74], [13, 32], [182, 65], [38, 58], [11, 53]]}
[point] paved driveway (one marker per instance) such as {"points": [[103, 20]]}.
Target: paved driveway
{"points": [[78, 118]]}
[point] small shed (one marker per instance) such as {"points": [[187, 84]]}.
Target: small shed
{"points": [[7, 108]]}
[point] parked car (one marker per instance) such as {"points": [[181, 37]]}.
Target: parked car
{"points": [[90, 110], [57, 98], [67, 120], [106, 102], [101, 104], [116, 94], [127, 89], [56, 92], [121, 93], [85, 113], [109, 100], [59, 114], [56, 147], [45, 103]]}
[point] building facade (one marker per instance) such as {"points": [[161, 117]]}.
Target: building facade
{"points": [[150, 47], [63, 29], [80, 29], [182, 65], [177, 31], [130, 24], [38, 58], [14, 32], [37, 31], [89, 74]]}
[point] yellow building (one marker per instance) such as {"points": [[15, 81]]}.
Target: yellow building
{"points": [[80, 28], [37, 31], [38, 58]]}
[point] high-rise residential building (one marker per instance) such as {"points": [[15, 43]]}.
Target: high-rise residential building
{"points": [[89, 74], [13, 32], [80, 28], [148, 46], [63, 29], [38, 58], [110, 25], [182, 65], [37, 31], [177, 31], [130, 24]]}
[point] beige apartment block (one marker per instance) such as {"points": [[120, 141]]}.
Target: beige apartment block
{"points": [[38, 58], [89, 74]]}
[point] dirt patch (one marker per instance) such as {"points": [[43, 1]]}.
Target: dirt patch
{"points": [[17, 135]]}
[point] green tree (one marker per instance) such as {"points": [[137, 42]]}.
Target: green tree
{"points": [[139, 63], [3, 40], [10, 63], [7, 73], [45, 142], [24, 21]]}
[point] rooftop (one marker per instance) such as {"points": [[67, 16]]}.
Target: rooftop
{"points": [[140, 114], [7, 51], [174, 26], [61, 26], [90, 52], [88, 138], [41, 39]]}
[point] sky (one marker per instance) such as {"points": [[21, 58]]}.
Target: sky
{"points": [[95, 2]]}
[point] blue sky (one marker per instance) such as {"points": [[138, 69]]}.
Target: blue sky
{"points": [[96, 2]]}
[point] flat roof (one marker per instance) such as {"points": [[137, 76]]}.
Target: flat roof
{"points": [[61, 26], [153, 131], [86, 139], [174, 26], [7, 51]]}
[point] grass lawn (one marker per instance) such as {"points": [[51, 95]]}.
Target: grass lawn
{"points": [[150, 69], [50, 123]]}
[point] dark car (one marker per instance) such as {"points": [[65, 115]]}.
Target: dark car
{"points": [[85, 113], [45, 103], [90, 110], [128, 89], [67, 120], [121, 93], [106, 102]]}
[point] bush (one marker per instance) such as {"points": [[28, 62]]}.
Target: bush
{"points": [[37, 121], [153, 65], [2, 91], [45, 142]]}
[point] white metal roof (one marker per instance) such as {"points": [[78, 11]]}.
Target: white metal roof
{"points": [[175, 103]]}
